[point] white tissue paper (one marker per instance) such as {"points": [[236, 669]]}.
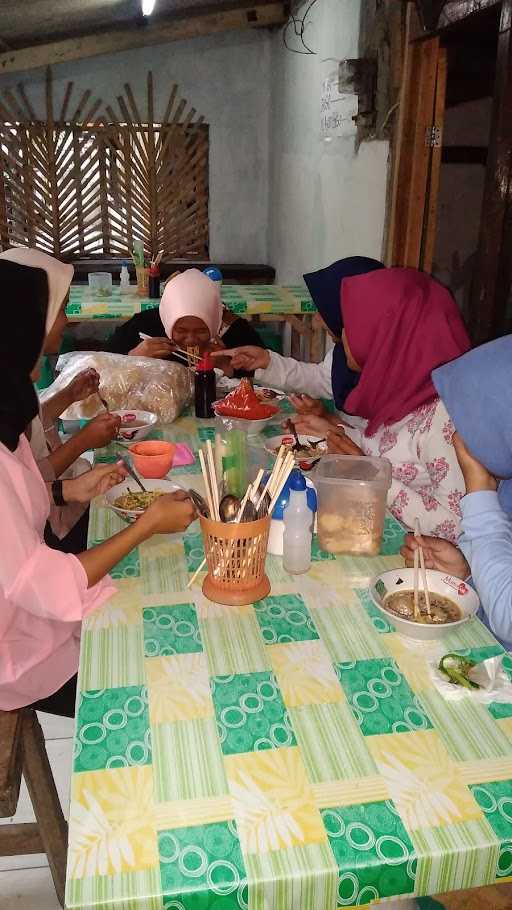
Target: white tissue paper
{"points": [[490, 676]]}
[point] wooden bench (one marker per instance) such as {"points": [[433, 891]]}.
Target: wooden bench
{"points": [[23, 751]]}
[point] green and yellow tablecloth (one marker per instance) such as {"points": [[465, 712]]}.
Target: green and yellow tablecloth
{"points": [[288, 755], [244, 299]]}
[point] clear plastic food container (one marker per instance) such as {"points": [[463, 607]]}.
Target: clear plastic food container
{"points": [[100, 284], [352, 493]]}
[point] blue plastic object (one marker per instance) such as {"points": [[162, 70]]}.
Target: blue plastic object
{"points": [[213, 272], [295, 477]]}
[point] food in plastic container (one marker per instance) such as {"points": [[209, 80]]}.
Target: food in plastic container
{"points": [[352, 492], [127, 383]]}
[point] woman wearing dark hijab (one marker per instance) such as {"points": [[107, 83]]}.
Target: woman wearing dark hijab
{"points": [[331, 378], [44, 594]]}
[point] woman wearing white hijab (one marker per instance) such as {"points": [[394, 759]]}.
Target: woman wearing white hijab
{"points": [[54, 459], [191, 314]]}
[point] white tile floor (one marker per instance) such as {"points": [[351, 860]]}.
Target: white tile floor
{"points": [[25, 881]]}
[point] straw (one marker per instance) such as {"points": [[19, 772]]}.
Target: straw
{"points": [[417, 535]]}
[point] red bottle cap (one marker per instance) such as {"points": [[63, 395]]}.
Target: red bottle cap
{"points": [[206, 363], [154, 271]]}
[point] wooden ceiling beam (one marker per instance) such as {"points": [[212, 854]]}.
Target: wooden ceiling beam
{"points": [[160, 31]]}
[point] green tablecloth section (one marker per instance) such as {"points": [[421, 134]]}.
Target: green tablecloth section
{"points": [[292, 754], [244, 299]]}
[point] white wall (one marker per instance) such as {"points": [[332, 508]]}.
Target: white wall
{"points": [[227, 79], [326, 200]]}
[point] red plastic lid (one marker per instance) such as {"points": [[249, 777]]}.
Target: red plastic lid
{"points": [[154, 271], [206, 363]]}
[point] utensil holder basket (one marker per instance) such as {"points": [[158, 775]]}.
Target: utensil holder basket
{"points": [[235, 556]]}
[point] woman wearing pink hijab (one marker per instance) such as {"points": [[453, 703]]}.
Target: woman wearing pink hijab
{"points": [[191, 314], [399, 325]]}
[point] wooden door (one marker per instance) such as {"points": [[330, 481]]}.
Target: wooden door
{"points": [[417, 156]]}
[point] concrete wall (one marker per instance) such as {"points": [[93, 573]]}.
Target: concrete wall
{"points": [[227, 79], [326, 199]]}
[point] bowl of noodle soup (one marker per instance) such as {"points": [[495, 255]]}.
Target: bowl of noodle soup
{"points": [[128, 501]]}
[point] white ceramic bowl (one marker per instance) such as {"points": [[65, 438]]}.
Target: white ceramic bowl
{"points": [[137, 429], [438, 583], [129, 485], [272, 447], [250, 427]]}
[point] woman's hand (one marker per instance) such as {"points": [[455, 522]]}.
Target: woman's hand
{"points": [[310, 425], [439, 554], [248, 358], [475, 475], [338, 443], [169, 513], [222, 361], [100, 431], [304, 405], [84, 384], [93, 483], [159, 348]]}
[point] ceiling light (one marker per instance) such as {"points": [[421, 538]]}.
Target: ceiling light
{"points": [[147, 7]]}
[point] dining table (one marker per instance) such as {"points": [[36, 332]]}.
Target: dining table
{"points": [[268, 303], [291, 754]]}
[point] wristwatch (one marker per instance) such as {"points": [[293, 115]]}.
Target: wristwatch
{"points": [[57, 496]]}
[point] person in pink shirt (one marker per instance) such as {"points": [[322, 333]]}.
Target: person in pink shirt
{"points": [[44, 593]]}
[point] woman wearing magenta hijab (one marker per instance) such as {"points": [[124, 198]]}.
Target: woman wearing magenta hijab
{"points": [[476, 391], [400, 324]]}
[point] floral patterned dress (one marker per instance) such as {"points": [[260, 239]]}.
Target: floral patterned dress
{"points": [[427, 479]]}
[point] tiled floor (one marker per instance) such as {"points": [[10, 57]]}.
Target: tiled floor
{"points": [[25, 881]]}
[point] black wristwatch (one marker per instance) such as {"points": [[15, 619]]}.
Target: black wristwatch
{"points": [[58, 498]]}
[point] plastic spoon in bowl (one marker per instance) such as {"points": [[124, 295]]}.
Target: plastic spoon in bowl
{"points": [[132, 473]]}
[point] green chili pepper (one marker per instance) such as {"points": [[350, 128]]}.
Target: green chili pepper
{"points": [[456, 668]]}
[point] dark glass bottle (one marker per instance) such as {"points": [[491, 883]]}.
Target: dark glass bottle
{"points": [[205, 387], [154, 283]]}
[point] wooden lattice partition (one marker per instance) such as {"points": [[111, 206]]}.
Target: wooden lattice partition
{"points": [[93, 181]]}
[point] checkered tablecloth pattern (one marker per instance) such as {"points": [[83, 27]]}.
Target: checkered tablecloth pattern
{"points": [[288, 755], [250, 299]]}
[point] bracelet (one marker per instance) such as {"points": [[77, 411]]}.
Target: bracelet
{"points": [[57, 495]]}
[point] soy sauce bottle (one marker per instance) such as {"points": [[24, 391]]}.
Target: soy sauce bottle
{"points": [[205, 387]]}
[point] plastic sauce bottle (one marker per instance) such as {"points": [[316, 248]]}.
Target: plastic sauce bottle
{"points": [[124, 284], [205, 387], [298, 519]]}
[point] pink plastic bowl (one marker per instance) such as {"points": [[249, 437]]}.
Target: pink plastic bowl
{"points": [[152, 458]]}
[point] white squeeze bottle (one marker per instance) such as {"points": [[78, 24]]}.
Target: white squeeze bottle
{"points": [[124, 283], [298, 520]]}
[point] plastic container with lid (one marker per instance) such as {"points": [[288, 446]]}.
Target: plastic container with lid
{"points": [[352, 493]]}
